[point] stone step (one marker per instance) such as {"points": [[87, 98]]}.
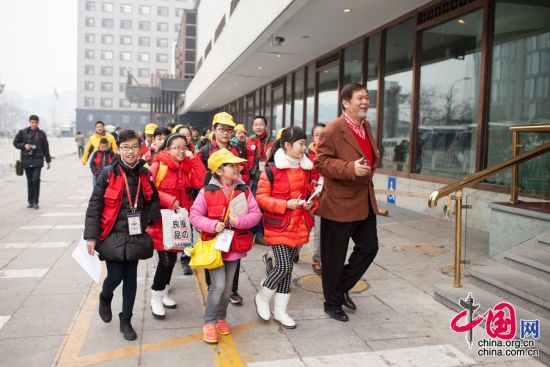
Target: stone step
{"points": [[449, 296], [522, 289], [532, 261]]}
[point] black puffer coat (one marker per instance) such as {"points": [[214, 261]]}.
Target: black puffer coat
{"points": [[119, 245], [35, 156]]}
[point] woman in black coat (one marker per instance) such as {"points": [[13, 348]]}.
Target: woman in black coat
{"points": [[34, 147], [124, 202]]}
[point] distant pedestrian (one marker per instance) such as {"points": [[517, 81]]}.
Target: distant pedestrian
{"points": [[124, 202], [283, 190], [79, 138], [34, 147], [101, 158], [346, 158], [93, 141], [159, 136]]}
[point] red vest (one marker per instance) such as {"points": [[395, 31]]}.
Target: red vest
{"points": [[113, 200], [216, 202]]}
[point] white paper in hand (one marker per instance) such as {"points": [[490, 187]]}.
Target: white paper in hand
{"points": [[90, 264], [238, 206], [317, 191]]}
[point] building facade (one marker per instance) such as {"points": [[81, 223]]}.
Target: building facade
{"points": [[115, 38], [446, 79]]}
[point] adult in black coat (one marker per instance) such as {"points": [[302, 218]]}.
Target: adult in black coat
{"points": [[110, 203], [34, 147]]}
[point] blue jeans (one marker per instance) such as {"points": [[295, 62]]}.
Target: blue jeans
{"points": [[219, 292]]}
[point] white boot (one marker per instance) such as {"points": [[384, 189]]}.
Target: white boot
{"points": [[156, 304], [279, 311], [262, 303], [166, 300]]}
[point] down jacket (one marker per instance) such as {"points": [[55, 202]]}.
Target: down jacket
{"points": [[33, 157], [176, 185]]}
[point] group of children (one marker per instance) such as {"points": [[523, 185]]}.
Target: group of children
{"points": [[282, 202]]}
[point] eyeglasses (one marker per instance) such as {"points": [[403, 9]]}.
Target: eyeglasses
{"points": [[222, 130], [178, 148], [126, 148]]}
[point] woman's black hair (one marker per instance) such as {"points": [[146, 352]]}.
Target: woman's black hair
{"points": [[319, 124], [127, 135], [289, 135], [161, 130], [170, 139]]}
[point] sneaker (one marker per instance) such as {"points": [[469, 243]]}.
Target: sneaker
{"points": [[222, 328], [30, 206], [268, 263], [316, 267], [296, 257], [236, 299], [187, 269], [36, 206], [209, 333]]}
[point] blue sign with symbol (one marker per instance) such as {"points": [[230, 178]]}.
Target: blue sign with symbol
{"points": [[530, 328], [392, 185]]}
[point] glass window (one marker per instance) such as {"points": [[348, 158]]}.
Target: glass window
{"points": [[328, 94], [126, 40], [397, 96], [299, 97], [143, 56], [89, 54], [189, 68], [144, 9], [177, 27], [122, 86], [124, 103], [88, 101], [520, 87], [310, 97], [190, 43], [189, 55], [107, 70], [449, 74], [89, 38], [107, 39], [106, 87], [162, 27], [90, 117], [144, 41], [162, 11], [277, 117], [107, 7], [143, 73], [162, 42], [89, 70], [191, 30], [353, 60], [106, 55], [89, 21], [125, 24], [107, 22], [288, 101], [257, 110], [89, 86], [125, 56], [191, 18], [162, 71], [108, 118], [267, 104], [372, 80], [126, 8], [106, 102], [162, 57], [179, 12], [90, 5], [125, 119], [144, 25]]}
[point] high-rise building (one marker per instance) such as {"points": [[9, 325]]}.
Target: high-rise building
{"points": [[115, 38]]}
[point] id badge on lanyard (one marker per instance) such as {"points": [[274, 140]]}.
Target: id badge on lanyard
{"points": [[134, 223], [134, 217], [262, 165]]}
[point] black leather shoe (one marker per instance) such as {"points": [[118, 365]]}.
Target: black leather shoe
{"points": [[339, 315], [348, 302], [105, 308], [126, 328]]}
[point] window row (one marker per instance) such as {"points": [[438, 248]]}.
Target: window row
{"points": [[109, 7], [107, 102], [125, 56], [122, 119], [108, 71], [108, 39], [142, 25]]}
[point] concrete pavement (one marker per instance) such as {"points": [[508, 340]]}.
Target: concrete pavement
{"points": [[48, 305]]}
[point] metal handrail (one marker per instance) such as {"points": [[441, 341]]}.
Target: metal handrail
{"points": [[455, 190]]}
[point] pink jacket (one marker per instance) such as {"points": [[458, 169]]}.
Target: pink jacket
{"points": [[199, 220]]}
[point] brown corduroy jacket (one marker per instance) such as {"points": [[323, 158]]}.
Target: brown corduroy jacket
{"points": [[345, 197]]}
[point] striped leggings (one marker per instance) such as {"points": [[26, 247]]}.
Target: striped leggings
{"points": [[281, 275]]}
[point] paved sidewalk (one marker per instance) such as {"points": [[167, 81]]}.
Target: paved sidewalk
{"points": [[48, 305]]}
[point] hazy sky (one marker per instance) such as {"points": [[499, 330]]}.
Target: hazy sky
{"points": [[38, 46]]}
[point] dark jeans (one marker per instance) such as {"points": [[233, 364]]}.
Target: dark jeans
{"points": [[33, 184], [126, 272], [80, 151], [337, 277], [163, 274], [235, 287]]}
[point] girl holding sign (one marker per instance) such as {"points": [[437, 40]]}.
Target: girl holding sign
{"points": [[175, 171], [214, 215]]}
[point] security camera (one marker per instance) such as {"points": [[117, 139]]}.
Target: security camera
{"points": [[277, 40]]}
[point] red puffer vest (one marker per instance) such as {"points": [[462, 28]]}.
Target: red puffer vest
{"points": [[280, 189], [113, 200], [216, 202]]}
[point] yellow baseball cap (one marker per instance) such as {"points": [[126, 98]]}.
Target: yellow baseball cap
{"points": [[240, 127], [175, 128], [220, 157], [150, 128], [223, 118]]}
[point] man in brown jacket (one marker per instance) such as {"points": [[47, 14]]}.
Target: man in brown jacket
{"points": [[346, 158]]}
